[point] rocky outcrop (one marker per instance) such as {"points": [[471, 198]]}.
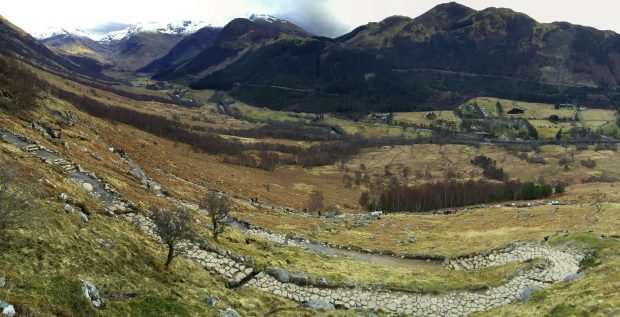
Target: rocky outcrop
{"points": [[7, 309], [147, 182], [114, 201], [92, 294]]}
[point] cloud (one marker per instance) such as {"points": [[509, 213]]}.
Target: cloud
{"points": [[315, 16], [108, 27]]}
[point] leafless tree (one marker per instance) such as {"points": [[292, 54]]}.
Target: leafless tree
{"points": [[347, 181], [358, 177], [218, 207], [16, 200], [172, 228], [315, 201]]}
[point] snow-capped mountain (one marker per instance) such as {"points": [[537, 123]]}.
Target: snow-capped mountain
{"points": [[267, 18], [173, 28]]}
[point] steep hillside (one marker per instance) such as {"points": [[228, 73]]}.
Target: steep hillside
{"points": [[435, 60], [72, 45], [137, 50], [185, 50], [17, 43], [235, 38]]}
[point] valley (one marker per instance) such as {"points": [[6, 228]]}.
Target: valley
{"points": [[300, 194]]}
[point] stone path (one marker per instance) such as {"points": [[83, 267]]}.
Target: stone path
{"points": [[113, 200], [562, 262]]}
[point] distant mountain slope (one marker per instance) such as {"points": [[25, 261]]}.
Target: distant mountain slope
{"points": [[73, 45], [435, 60], [130, 48], [139, 49], [17, 43], [234, 39], [185, 50]]}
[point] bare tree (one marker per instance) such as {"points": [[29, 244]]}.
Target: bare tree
{"points": [[15, 199], [172, 228], [315, 202], [347, 181], [218, 207]]}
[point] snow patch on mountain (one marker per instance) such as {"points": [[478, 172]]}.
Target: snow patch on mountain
{"points": [[266, 17], [184, 27]]}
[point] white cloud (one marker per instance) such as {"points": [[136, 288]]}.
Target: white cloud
{"points": [[327, 16]]}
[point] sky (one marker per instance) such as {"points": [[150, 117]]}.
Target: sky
{"points": [[321, 17]]}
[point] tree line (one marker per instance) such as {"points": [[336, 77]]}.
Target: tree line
{"points": [[451, 194]]}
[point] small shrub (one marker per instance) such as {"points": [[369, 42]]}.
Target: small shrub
{"points": [[589, 163], [560, 188]]}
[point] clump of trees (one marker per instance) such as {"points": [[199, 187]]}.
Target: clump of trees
{"points": [[18, 86], [218, 207], [450, 194], [530, 190], [172, 228], [489, 167]]}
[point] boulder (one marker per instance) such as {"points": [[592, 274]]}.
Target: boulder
{"points": [[212, 300], [154, 187], [87, 186], [83, 216], [64, 197], [7, 309], [92, 294], [318, 304], [279, 274], [67, 208], [55, 133], [231, 313], [572, 277], [446, 261], [2, 282], [300, 278], [528, 291], [137, 173]]}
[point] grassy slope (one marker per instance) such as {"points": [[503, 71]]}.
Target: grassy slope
{"points": [[65, 248]]}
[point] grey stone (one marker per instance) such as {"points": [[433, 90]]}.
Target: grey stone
{"points": [[154, 187], [212, 300], [572, 277], [7, 309], [67, 208], [446, 261], [55, 134], [64, 197], [2, 282], [96, 156], [92, 294], [528, 291], [299, 278], [137, 173], [87, 186], [231, 313], [83, 216], [318, 304], [279, 274], [323, 282]]}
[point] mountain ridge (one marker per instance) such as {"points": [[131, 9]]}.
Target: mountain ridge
{"points": [[444, 56]]}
